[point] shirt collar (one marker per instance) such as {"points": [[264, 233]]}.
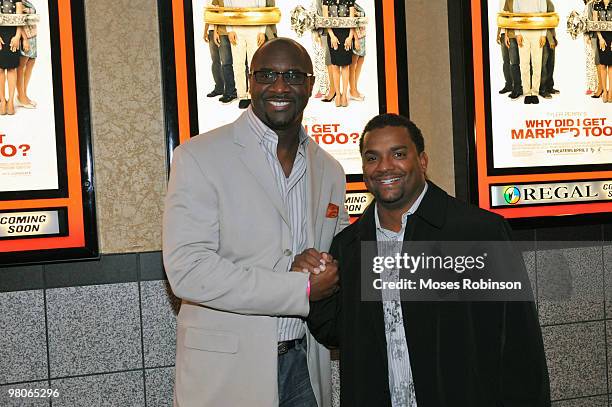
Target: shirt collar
{"points": [[263, 132], [405, 215]]}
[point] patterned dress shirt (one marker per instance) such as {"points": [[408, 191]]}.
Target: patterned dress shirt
{"points": [[292, 190], [401, 385]]}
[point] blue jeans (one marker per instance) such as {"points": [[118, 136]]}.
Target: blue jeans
{"points": [[222, 69], [294, 389]]}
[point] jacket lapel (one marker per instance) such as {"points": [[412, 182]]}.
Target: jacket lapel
{"points": [[255, 160], [421, 319], [314, 172], [367, 233]]}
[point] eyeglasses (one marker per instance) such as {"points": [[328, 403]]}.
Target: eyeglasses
{"points": [[290, 77]]}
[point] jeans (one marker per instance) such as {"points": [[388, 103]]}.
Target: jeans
{"points": [[512, 69], [548, 68], [294, 389], [222, 68]]}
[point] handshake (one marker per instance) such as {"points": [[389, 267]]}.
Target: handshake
{"points": [[323, 271]]}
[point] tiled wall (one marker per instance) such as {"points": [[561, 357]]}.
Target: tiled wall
{"points": [[102, 332], [99, 345], [113, 343]]}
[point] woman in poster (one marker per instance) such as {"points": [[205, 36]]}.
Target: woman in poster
{"points": [[340, 41], [321, 57], [27, 60], [593, 84], [358, 57], [10, 37], [602, 11]]}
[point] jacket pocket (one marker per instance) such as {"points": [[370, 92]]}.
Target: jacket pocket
{"points": [[211, 341]]}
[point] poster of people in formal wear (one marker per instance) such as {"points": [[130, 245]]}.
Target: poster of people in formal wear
{"points": [[46, 188], [543, 105], [358, 51], [343, 59], [550, 98], [348, 41]]}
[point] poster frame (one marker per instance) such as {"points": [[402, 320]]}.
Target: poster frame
{"points": [[179, 79], [74, 198], [472, 135]]}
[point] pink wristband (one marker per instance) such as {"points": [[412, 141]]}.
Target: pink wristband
{"points": [[308, 289]]}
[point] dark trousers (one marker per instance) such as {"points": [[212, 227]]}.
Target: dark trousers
{"points": [[511, 64], [548, 68], [222, 69]]}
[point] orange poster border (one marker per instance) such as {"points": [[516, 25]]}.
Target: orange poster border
{"points": [[74, 201], [485, 180]]}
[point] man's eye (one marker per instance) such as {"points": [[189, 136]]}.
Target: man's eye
{"points": [[370, 158], [268, 75], [399, 154]]}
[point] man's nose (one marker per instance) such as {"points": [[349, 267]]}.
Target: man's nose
{"points": [[279, 85], [385, 163]]}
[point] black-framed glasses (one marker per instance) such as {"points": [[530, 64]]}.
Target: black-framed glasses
{"points": [[290, 77]]}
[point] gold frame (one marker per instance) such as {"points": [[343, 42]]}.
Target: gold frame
{"points": [[527, 21], [242, 16]]}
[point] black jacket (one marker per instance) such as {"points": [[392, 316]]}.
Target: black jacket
{"points": [[462, 354]]}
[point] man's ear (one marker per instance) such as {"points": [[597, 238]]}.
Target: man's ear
{"points": [[311, 82], [423, 161]]}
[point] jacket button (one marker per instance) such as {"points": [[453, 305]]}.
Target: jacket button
{"points": [[287, 252]]}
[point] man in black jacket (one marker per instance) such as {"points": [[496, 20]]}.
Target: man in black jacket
{"points": [[427, 354]]}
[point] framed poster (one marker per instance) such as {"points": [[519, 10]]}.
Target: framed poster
{"points": [[46, 169], [380, 87], [546, 159]]}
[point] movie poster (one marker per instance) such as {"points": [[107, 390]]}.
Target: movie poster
{"points": [[335, 128], [28, 148], [47, 208], [571, 124]]}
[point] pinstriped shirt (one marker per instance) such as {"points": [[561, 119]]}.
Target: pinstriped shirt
{"points": [[401, 385], [292, 190]]}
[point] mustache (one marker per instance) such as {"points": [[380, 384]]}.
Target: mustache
{"points": [[280, 97], [386, 175]]}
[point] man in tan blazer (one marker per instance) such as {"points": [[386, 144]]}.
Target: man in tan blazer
{"points": [[231, 230]]}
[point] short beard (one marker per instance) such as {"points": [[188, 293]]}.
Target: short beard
{"points": [[278, 125], [394, 204]]}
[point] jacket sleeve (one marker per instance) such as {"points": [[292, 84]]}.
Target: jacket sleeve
{"points": [[195, 270], [324, 317], [524, 374]]}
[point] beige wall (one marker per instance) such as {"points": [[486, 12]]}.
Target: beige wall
{"points": [[127, 119], [127, 123], [429, 85]]}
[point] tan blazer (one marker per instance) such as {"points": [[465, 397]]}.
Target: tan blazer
{"points": [[226, 247]]}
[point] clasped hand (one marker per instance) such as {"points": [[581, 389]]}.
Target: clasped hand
{"points": [[323, 272]]}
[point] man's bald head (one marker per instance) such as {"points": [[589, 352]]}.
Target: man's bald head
{"points": [[278, 104], [289, 49]]}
